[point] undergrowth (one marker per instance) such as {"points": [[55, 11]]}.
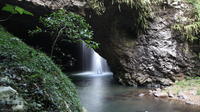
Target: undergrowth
{"points": [[191, 30], [35, 77]]}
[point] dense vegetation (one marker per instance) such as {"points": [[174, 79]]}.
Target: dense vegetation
{"points": [[35, 77], [191, 29], [41, 83], [66, 26], [15, 10]]}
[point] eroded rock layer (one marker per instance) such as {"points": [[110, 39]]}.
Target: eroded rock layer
{"points": [[156, 57]]}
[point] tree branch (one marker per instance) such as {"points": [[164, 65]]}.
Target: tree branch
{"points": [[56, 39]]}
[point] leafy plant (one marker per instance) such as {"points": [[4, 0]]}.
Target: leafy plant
{"points": [[15, 10], [45, 82], [191, 30], [97, 6], [70, 26]]}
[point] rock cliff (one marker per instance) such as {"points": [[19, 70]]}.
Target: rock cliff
{"points": [[156, 56], [40, 7], [153, 58]]}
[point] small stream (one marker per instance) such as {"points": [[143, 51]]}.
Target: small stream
{"points": [[103, 94]]}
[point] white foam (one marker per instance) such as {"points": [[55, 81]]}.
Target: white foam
{"points": [[89, 73]]}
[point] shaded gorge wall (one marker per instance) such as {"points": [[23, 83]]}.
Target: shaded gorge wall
{"points": [[154, 58]]}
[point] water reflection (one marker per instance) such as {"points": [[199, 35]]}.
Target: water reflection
{"points": [[102, 94]]}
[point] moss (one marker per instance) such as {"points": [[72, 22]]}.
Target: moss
{"points": [[36, 78], [186, 85], [143, 8], [198, 92], [97, 6], [190, 29]]}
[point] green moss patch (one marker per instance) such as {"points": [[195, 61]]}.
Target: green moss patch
{"points": [[190, 83], [36, 78]]}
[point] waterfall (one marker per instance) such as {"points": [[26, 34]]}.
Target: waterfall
{"points": [[92, 62]]}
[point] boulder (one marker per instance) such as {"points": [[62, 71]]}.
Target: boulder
{"points": [[181, 95], [7, 92], [9, 98], [160, 94]]}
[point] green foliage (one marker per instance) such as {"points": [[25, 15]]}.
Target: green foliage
{"points": [[35, 77], [196, 4], [199, 55], [191, 30], [97, 5], [198, 92], [15, 10], [70, 26], [189, 82], [143, 8]]}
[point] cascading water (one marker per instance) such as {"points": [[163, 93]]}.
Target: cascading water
{"points": [[93, 63], [99, 64]]}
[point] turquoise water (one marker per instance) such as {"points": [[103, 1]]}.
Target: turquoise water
{"points": [[103, 94]]}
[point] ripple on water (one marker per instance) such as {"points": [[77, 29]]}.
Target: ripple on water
{"points": [[99, 93]]}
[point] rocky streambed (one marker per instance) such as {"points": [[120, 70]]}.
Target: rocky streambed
{"points": [[186, 91]]}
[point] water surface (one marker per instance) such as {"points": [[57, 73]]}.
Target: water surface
{"points": [[101, 94]]}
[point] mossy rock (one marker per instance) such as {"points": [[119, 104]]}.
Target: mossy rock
{"points": [[35, 77]]}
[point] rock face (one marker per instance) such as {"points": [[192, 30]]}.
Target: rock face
{"points": [[154, 58], [40, 7]]}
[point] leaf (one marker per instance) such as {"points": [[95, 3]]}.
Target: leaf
{"points": [[19, 10], [9, 8], [23, 11], [28, 13], [15, 10]]}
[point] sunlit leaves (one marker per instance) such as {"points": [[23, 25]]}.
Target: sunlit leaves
{"points": [[15, 10], [70, 26], [191, 30]]}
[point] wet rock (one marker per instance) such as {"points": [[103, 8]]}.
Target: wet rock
{"points": [[193, 92], [161, 95], [84, 109], [9, 98], [158, 89], [166, 82], [170, 94], [40, 7], [181, 95], [141, 95], [190, 102], [150, 59], [6, 92], [151, 92]]}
